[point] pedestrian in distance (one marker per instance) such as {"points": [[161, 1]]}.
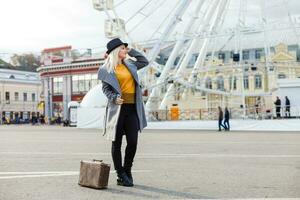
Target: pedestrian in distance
{"points": [[220, 119], [257, 107], [287, 107], [277, 107], [125, 114], [226, 119]]}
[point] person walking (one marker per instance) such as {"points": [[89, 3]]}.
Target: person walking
{"points": [[221, 119], [258, 107], [287, 107], [278, 107], [125, 114], [226, 120]]}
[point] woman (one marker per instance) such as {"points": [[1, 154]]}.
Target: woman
{"points": [[125, 113]]}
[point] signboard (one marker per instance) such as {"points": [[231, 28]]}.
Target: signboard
{"points": [[73, 116]]}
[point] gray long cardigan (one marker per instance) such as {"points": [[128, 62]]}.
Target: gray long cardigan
{"points": [[111, 89]]}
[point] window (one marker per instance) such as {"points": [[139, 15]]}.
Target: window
{"points": [[220, 83], [245, 55], [83, 83], [177, 87], [57, 85], [221, 56], [11, 77], [33, 97], [258, 81], [208, 56], [281, 76], [258, 53], [24, 96], [16, 96], [208, 83], [94, 80], [232, 82], [246, 82], [75, 84], [176, 61], [7, 97], [87, 80]]}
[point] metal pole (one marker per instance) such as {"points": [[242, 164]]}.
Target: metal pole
{"points": [[153, 101], [194, 44], [169, 28]]}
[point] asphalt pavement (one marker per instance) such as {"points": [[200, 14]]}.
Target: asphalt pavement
{"points": [[42, 162]]}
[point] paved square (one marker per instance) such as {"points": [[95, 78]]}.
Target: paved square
{"points": [[42, 162]]}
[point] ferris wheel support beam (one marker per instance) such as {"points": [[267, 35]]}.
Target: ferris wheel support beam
{"points": [[285, 3], [166, 33], [220, 24], [266, 46], [152, 102], [203, 50], [195, 42], [202, 53], [240, 42], [169, 28]]}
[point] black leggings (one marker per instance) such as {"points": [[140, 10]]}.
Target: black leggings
{"points": [[128, 125]]}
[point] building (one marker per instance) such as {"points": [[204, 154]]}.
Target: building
{"points": [[243, 86], [65, 79], [20, 94]]}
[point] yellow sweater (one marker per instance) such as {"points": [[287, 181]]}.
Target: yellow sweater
{"points": [[126, 82]]}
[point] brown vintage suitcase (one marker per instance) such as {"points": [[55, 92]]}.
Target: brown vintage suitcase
{"points": [[94, 174]]}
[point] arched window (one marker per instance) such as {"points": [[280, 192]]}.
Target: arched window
{"points": [[11, 77], [220, 83], [208, 83]]}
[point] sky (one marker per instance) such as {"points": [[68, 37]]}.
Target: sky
{"points": [[32, 25]]}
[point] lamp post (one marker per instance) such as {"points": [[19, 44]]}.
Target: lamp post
{"points": [[49, 94]]}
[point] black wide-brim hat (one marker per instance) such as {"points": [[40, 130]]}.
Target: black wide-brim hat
{"points": [[114, 43]]}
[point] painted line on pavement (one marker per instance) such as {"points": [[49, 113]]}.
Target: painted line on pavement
{"points": [[50, 173], [166, 155]]}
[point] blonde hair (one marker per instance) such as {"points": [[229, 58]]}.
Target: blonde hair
{"points": [[113, 60]]}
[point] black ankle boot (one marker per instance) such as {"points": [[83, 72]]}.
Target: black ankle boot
{"points": [[129, 174], [124, 180]]}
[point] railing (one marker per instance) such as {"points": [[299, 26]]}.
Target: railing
{"points": [[212, 114]]}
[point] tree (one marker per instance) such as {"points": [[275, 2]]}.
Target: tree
{"points": [[75, 54], [28, 62], [5, 65]]}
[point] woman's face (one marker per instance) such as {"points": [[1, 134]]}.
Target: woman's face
{"points": [[122, 52]]}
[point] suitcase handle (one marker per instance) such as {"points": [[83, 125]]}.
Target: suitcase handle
{"points": [[95, 160]]}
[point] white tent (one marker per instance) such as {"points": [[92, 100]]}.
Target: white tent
{"points": [[91, 111]]}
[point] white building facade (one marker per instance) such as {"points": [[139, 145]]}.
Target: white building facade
{"points": [[20, 95]]}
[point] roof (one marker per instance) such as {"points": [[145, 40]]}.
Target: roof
{"points": [[19, 76], [57, 49]]}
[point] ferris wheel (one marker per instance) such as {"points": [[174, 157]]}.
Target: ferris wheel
{"points": [[202, 28]]}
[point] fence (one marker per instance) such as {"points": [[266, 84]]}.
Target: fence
{"points": [[212, 114]]}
